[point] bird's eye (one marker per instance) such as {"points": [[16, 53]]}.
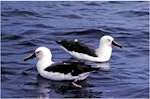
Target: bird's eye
{"points": [[109, 40], [38, 52]]}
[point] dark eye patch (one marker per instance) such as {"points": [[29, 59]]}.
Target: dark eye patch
{"points": [[38, 52], [108, 39]]}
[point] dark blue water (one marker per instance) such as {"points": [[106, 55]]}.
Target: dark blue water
{"points": [[28, 25]]}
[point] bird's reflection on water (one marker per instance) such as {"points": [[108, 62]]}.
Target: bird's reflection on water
{"points": [[102, 66], [50, 89]]}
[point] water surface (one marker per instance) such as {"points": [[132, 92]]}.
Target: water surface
{"points": [[28, 25]]}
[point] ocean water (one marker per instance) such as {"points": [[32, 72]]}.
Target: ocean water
{"points": [[28, 25]]}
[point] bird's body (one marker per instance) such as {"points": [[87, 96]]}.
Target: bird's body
{"points": [[82, 51], [66, 71], [59, 70]]}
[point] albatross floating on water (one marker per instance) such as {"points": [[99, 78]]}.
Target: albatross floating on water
{"points": [[82, 51], [59, 70]]}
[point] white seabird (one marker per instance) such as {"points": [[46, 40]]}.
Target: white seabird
{"points": [[82, 51], [59, 70]]}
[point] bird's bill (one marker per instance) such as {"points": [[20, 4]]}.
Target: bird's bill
{"points": [[117, 44], [29, 57]]}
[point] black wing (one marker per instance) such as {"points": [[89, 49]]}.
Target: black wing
{"points": [[75, 68], [77, 47]]}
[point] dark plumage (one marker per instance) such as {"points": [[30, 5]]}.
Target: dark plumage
{"points": [[75, 68], [77, 47]]}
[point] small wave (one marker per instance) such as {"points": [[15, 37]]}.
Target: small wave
{"points": [[26, 43], [89, 32], [42, 26], [112, 29], [117, 2], [93, 3], [30, 32], [9, 72], [10, 37], [72, 16], [19, 13], [133, 13]]}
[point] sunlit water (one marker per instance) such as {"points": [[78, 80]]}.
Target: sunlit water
{"points": [[28, 25]]}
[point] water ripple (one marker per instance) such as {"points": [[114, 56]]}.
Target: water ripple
{"points": [[20, 13], [28, 25], [133, 13]]}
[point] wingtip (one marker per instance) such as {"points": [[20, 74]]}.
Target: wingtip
{"points": [[58, 42]]}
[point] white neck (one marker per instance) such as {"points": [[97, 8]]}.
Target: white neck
{"points": [[44, 63], [104, 52]]}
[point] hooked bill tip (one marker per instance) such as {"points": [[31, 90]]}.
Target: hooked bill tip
{"points": [[25, 59], [32, 55], [117, 44], [121, 46]]}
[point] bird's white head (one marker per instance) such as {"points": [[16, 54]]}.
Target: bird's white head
{"points": [[43, 52], [44, 55], [40, 53], [106, 40]]}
